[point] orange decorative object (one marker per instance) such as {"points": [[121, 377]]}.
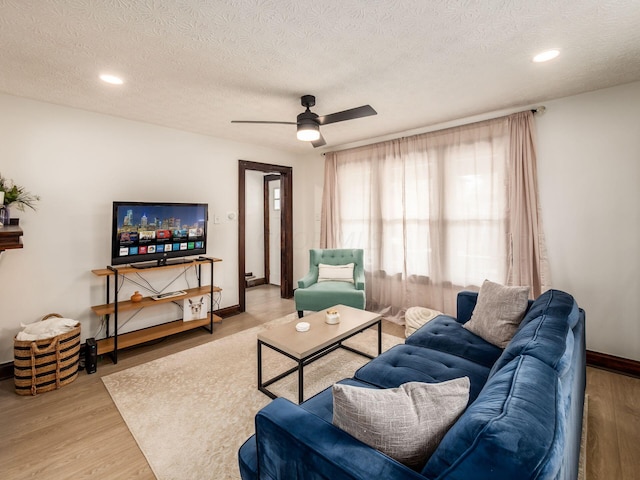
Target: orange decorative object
{"points": [[136, 297]]}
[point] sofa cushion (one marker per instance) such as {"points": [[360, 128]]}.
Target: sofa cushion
{"points": [[498, 312], [407, 422], [445, 334], [513, 429], [546, 336], [408, 363], [321, 404]]}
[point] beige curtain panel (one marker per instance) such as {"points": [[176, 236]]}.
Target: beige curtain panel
{"points": [[439, 212]]}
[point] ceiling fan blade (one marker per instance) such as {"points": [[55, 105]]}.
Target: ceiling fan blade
{"points": [[263, 121], [319, 143], [358, 112]]}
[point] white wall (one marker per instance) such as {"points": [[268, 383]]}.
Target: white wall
{"points": [[311, 176], [589, 178], [275, 251], [79, 162], [254, 223]]}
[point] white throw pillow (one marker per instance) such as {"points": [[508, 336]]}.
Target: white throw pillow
{"points": [[406, 423], [335, 273], [498, 312]]}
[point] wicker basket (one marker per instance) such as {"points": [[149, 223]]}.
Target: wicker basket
{"points": [[44, 365]]}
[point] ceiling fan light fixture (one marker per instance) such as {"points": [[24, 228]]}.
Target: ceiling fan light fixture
{"points": [[308, 132], [308, 123]]}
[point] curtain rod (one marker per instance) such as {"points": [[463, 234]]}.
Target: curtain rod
{"points": [[535, 110]]}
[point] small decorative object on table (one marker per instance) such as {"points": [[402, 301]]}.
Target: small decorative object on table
{"points": [[332, 317], [136, 297], [302, 326]]}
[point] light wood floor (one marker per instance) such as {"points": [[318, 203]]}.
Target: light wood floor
{"points": [[77, 432]]}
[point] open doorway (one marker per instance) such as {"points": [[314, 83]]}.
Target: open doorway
{"points": [[284, 263]]}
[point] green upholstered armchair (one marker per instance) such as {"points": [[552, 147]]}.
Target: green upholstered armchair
{"points": [[315, 296]]}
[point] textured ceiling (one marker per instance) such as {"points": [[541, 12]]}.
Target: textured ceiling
{"points": [[196, 65]]}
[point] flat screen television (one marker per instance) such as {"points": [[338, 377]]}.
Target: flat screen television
{"points": [[157, 232]]}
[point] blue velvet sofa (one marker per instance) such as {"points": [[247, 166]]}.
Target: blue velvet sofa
{"points": [[523, 419]]}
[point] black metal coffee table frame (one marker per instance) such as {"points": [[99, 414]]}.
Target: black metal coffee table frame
{"points": [[302, 362]]}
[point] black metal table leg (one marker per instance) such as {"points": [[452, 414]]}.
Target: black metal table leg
{"points": [[259, 364], [300, 382]]}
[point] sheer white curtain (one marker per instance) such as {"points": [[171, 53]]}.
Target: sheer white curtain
{"points": [[431, 212]]}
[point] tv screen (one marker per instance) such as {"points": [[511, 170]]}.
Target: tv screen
{"points": [[146, 231]]}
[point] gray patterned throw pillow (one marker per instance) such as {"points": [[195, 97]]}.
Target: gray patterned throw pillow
{"points": [[498, 312], [405, 423]]}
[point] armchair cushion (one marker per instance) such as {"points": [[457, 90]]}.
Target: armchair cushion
{"points": [[335, 273]]}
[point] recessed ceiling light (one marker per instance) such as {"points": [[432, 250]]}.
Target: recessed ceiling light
{"points": [[112, 79], [546, 56]]}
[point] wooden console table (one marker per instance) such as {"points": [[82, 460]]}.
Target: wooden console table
{"points": [[116, 341], [10, 237]]}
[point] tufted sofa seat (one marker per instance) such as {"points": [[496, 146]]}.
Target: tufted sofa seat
{"points": [[445, 334]]}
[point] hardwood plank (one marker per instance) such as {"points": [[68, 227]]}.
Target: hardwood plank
{"points": [[626, 391], [603, 458]]}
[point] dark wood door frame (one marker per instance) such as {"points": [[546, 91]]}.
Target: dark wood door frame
{"points": [[286, 226]]}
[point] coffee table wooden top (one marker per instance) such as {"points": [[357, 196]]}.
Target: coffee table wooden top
{"points": [[320, 334]]}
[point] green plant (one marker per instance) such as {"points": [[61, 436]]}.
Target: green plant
{"points": [[17, 195]]}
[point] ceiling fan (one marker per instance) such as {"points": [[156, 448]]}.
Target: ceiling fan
{"points": [[308, 123]]}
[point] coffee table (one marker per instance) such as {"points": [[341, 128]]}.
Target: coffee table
{"points": [[320, 340]]}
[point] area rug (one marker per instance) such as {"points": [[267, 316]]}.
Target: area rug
{"points": [[191, 411]]}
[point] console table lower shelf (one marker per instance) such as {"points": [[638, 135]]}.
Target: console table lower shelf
{"points": [[137, 337]]}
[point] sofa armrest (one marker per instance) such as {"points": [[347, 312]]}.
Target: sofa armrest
{"points": [[293, 444], [309, 279], [466, 303]]}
